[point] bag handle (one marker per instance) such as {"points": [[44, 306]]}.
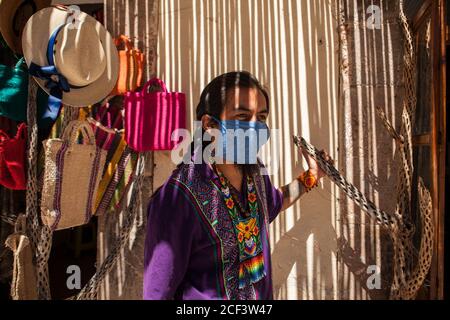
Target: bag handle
{"points": [[154, 82], [123, 39], [21, 132], [102, 127], [70, 133]]}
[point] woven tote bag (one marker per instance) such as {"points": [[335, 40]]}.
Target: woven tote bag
{"points": [[152, 117], [131, 66], [72, 174]]}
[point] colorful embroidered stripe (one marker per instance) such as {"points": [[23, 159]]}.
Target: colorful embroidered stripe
{"points": [[251, 265], [92, 183], [58, 183], [215, 240], [113, 185], [253, 268], [109, 173], [126, 180]]}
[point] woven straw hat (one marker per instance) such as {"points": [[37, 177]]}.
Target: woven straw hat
{"points": [[82, 52], [13, 16]]}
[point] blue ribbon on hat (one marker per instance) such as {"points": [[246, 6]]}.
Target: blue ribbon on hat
{"points": [[55, 81]]}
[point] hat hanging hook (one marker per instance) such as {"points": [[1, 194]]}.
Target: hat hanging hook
{"points": [[65, 8]]}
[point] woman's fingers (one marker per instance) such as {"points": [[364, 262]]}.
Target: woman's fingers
{"points": [[326, 157], [322, 153], [305, 155]]}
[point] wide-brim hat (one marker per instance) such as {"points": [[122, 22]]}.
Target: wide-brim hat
{"points": [[13, 16], [81, 50]]}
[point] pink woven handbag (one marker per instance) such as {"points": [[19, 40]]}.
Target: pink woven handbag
{"points": [[152, 117]]}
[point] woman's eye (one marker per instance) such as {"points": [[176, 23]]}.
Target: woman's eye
{"points": [[262, 118]]}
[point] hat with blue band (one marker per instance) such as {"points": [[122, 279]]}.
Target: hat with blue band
{"points": [[73, 58]]}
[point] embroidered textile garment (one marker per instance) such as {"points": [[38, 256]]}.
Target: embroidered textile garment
{"points": [[246, 227], [191, 250]]}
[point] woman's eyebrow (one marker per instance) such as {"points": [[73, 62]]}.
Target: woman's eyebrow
{"points": [[242, 107]]}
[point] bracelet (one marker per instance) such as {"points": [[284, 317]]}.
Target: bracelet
{"points": [[308, 180]]}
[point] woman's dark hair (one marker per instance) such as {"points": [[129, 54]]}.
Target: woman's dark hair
{"points": [[214, 96]]}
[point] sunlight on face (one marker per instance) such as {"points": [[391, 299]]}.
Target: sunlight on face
{"points": [[245, 104]]}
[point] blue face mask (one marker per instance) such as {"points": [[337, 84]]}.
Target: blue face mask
{"points": [[241, 140]]}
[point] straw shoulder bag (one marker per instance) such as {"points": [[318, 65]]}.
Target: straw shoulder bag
{"points": [[71, 177]]}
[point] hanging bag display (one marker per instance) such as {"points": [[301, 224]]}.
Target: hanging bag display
{"points": [[109, 114], [71, 177], [131, 66], [12, 159], [119, 166], [152, 117], [121, 160]]}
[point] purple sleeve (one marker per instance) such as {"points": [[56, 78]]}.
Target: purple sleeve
{"points": [[274, 198], [168, 242]]}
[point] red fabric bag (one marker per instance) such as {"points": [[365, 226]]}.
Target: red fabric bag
{"points": [[152, 117], [12, 159]]}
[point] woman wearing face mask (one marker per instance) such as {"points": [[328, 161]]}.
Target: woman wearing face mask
{"points": [[207, 227]]}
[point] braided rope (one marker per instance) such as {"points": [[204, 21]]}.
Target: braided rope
{"points": [[408, 282], [408, 278], [415, 279], [402, 237], [90, 290], [40, 235], [389, 127], [383, 218]]}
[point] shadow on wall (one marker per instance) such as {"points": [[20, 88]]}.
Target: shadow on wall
{"points": [[291, 47], [372, 78], [323, 244]]}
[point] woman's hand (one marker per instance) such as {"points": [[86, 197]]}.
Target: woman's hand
{"points": [[314, 166], [293, 191]]}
